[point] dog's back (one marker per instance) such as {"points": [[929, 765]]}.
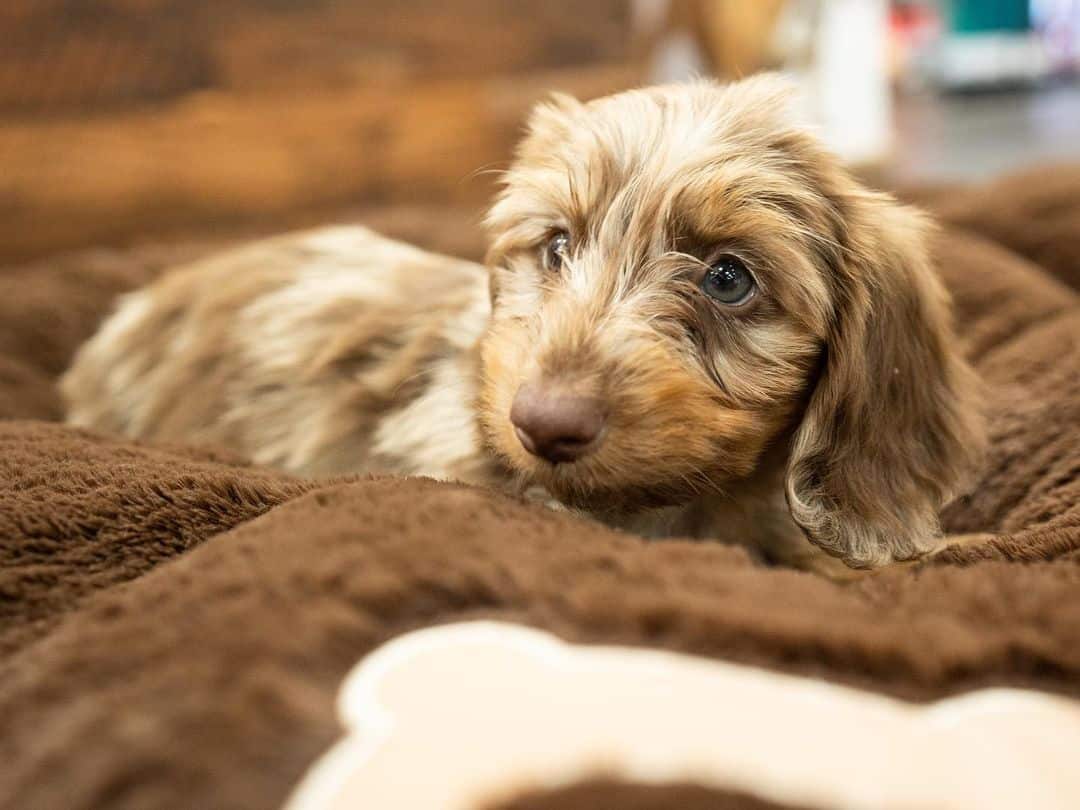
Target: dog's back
{"points": [[328, 351]]}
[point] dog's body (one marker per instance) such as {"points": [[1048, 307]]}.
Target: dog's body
{"points": [[331, 352], [324, 352], [696, 324]]}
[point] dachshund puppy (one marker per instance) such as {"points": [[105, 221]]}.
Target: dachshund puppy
{"points": [[695, 323]]}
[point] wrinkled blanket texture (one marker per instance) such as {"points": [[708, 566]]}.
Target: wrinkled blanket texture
{"points": [[175, 623]]}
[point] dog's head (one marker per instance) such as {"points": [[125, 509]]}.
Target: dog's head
{"points": [[681, 278]]}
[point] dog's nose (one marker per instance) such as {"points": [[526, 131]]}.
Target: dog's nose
{"points": [[558, 427]]}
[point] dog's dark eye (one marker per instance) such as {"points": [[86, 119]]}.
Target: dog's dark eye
{"points": [[729, 282], [555, 250]]}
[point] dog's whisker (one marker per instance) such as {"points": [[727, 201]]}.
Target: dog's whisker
{"points": [[492, 169]]}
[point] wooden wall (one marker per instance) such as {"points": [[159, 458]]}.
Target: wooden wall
{"points": [[123, 119]]}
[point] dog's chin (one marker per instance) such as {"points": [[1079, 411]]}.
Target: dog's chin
{"points": [[575, 486]]}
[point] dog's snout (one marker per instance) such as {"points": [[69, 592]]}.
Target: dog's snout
{"points": [[555, 426]]}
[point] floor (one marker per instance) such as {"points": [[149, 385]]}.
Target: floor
{"points": [[975, 136]]}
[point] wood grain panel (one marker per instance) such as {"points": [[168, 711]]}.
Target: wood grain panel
{"points": [[217, 158]]}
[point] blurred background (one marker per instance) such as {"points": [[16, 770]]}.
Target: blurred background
{"points": [[123, 121]]}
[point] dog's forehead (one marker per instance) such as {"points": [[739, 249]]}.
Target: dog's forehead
{"points": [[671, 128], [667, 152], [654, 129]]}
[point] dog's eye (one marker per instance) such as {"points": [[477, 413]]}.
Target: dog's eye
{"points": [[729, 282], [555, 250]]}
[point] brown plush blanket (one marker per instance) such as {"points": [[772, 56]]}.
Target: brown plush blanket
{"points": [[174, 624]]}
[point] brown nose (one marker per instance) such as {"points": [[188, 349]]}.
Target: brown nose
{"points": [[558, 427]]}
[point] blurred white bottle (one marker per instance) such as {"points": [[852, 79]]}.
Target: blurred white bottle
{"points": [[848, 86]]}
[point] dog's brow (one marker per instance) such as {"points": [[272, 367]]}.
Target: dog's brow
{"points": [[577, 212], [591, 186]]}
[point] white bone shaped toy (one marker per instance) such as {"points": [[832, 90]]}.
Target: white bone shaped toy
{"points": [[459, 716]]}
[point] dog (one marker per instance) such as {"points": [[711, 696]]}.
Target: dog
{"points": [[693, 321]]}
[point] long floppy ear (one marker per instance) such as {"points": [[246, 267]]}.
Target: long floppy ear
{"points": [[891, 426]]}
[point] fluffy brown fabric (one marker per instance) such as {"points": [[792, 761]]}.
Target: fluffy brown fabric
{"points": [[92, 514], [1032, 212], [162, 648], [209, 680]]}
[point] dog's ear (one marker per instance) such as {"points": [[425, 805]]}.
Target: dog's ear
{"points": [[891, 425], [548, 124]]}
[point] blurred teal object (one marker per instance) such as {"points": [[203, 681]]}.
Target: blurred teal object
{"points": [[981, 16]]}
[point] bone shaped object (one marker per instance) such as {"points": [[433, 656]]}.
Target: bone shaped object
{"points": [[457, 716]]}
